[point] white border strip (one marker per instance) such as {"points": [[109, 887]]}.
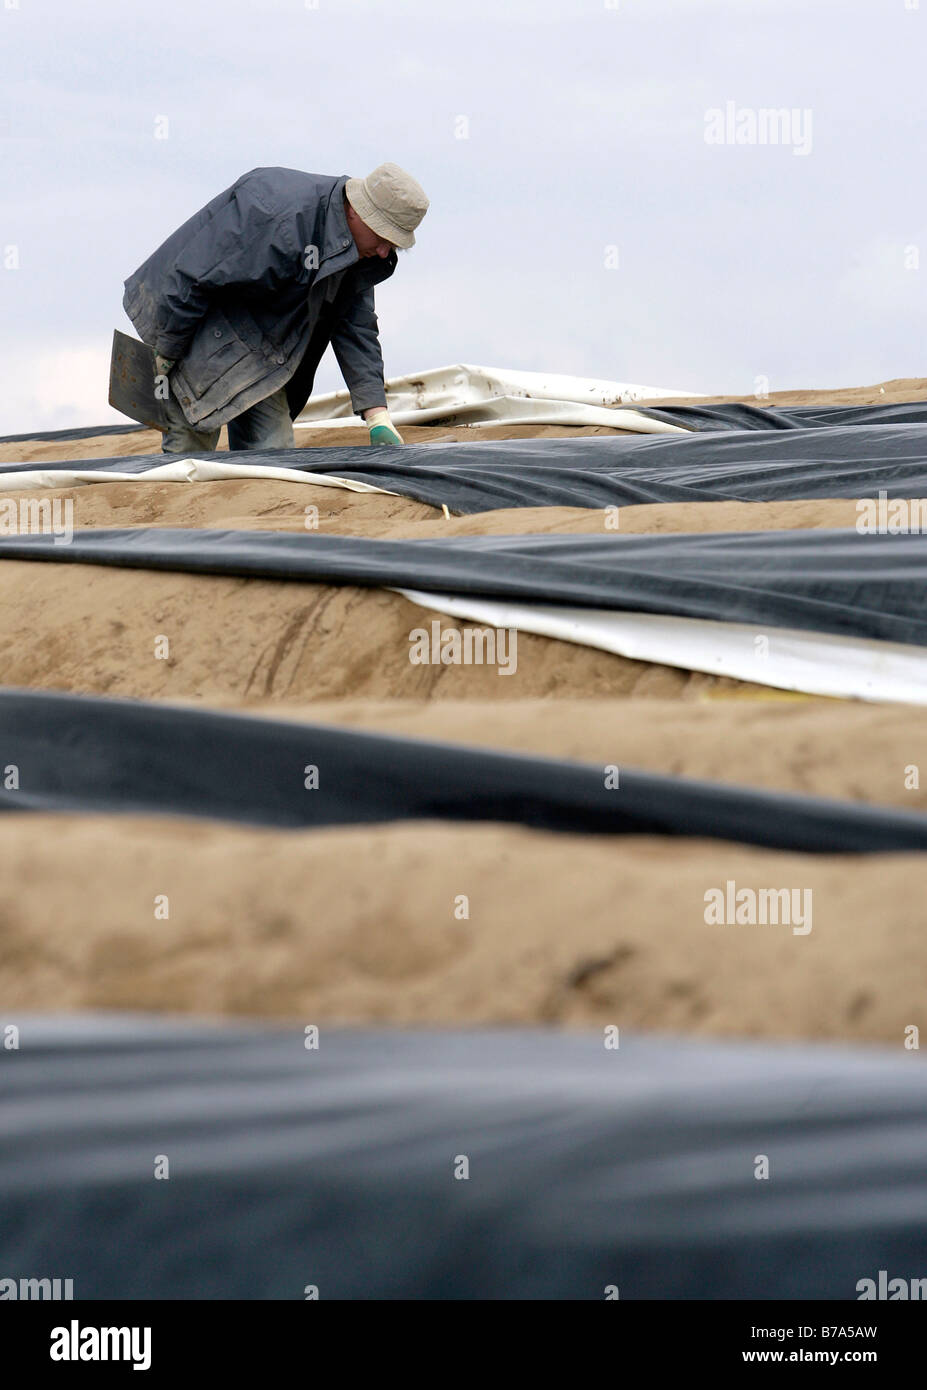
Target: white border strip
{"points": [[816, 663], [179, 471]]}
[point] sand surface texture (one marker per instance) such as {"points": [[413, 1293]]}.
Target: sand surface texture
{"points": [[358, 925]]}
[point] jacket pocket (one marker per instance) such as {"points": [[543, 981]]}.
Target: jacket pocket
{"points": [[215, 350]]}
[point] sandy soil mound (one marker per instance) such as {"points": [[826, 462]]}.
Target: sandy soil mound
{"points": [[360, 926], [899, 388], [784, 742], [274, 506], [90, 629]]}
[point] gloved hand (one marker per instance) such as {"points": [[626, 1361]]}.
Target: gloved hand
{"points": [[382, 430], [163, 364]]}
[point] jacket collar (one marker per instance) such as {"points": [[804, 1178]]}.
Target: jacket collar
{"points": [[340, 250], [376, 268], [337, 230]]}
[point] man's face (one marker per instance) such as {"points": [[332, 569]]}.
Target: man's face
{"points": [[367, 241]]}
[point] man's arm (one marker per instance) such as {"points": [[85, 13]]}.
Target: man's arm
{"points": [[356, 344]]}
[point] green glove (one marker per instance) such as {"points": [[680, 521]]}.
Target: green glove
{"points": [[382, 430], [163, 364]]}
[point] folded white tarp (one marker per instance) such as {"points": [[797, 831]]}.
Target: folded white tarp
{"points": [[179, 471], [466, 395], [816, 663]]}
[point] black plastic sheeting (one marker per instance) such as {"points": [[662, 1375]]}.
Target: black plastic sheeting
{"points": [[840, 582], [80, 432], [630, 1170], [737, 416], [728, 415], [713, 464], [78, 753]]}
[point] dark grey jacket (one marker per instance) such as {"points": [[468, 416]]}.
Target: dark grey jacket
{"points": [[247, 295]]}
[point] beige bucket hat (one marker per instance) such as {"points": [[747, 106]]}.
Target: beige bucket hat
{"points": [[390, 202]]}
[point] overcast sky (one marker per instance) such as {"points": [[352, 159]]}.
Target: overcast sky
{"points": [[589, 214]]}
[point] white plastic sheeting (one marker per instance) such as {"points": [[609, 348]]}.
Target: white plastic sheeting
{"points": [[178, 471], [816, 663], [466, 395]]}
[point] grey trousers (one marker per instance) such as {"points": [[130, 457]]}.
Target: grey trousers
{"points": [[266, 425]]}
